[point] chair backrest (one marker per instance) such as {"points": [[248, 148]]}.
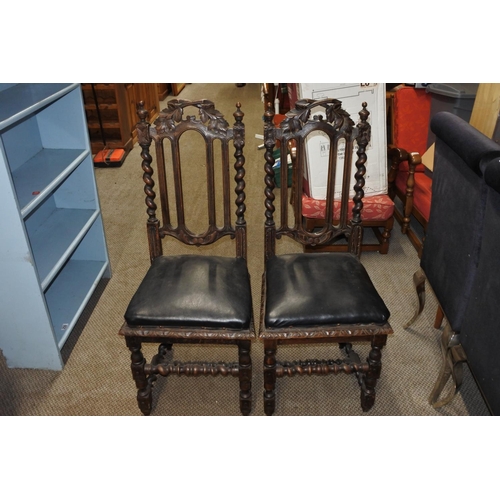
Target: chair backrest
{"points": [[456, 224], [480, 335], [170, 127], [337, 128], [412, 111]]}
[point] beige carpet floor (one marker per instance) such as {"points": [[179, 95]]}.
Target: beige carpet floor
{"points": [[96, 379]]}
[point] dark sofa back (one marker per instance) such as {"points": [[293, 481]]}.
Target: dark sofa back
{"points": [[451, 249], [480, 334]]}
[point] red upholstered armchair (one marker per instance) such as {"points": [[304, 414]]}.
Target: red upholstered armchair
{"points": [[408, 178]]}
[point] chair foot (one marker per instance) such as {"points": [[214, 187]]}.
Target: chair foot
{"points": [[270, 348], [385, 236], [143, 383], [453, 359], [419, 282], [245, 377], [269, 403], [384, 248], [145, 400], [367, 400]]}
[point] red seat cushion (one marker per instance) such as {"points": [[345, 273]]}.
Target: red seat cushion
{"points": [[375, 208], [422, 191]]}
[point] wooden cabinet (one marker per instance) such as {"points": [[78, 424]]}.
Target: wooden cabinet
{"points": [[177, 88], [117, 108], [112, 105], [53, 252], [163, 90], [136, 92]]}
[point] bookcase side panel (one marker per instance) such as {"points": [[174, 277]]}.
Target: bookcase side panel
{"points": [[26, 335]]}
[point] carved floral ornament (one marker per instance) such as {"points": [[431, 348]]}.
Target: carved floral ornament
{"points": [[211, 117], [335, 115]]}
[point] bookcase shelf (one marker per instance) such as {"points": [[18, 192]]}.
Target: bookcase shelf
{"points": [[54, 252], [36, 178]]}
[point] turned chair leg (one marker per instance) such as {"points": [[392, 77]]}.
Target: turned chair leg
{"points": [[386, 235], [161, 357], [439, 318], [419, 282], [375, 367], [143, 384], [245, 376], [452, 366], [270, 348]]}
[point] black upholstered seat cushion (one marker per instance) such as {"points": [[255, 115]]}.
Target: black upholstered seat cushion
{"points": [[320, 289], [193, 291]]}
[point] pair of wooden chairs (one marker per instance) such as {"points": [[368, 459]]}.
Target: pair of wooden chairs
{"points": [[206, 299]]}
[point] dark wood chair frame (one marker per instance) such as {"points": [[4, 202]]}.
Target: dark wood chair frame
{"points": [[396, 157], [381, 229], [170, 126], [295, 129]]}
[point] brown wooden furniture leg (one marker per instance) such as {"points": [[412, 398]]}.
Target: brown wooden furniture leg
{"points": [[419, 282], [143, 384], [439, 318], [245, 376], [270, 348], [375, 366], [453, 358]]}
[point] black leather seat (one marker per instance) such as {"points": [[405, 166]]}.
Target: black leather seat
{"points": [[193, 291], [301, 291]]}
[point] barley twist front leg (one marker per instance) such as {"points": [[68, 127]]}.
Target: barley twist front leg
{"points": [[270, 348], [245, 376]]}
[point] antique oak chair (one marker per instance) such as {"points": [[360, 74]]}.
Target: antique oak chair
{"points": [[192, 298], [318, 297]]}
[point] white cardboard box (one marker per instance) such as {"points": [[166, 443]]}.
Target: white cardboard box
{"points": [[352, 96]]}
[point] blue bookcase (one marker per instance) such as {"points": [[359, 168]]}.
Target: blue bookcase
{"points": [[53, 251]]}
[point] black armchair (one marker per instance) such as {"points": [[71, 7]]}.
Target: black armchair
{"points": [[480, 337], [457, 251]]}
